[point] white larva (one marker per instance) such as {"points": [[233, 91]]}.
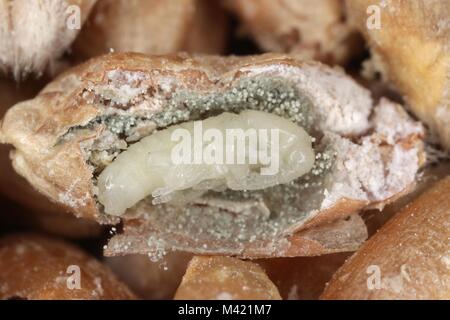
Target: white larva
{"points": [[159, 165]]}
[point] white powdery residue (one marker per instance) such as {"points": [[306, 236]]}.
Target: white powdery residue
{"points": [[401, 169], [366, 165], [105, 141], [122, 95], [393, 123], [124, 86], [147, 107], [117, 76], [157, 248], [381, 179], [166, 84], [69, 199], [342, 106], [365, 172], [337, 192], [345, 181]]}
